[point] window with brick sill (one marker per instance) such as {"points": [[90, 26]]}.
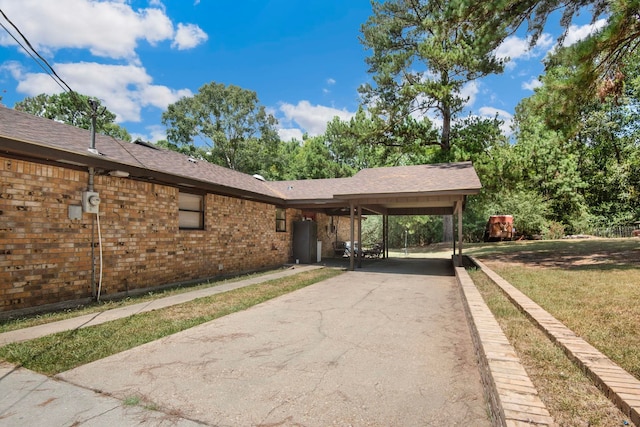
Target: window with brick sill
{"points": [[190, 211], [281, 220]]}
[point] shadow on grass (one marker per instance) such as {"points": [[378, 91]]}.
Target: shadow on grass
{"points": [[588, 254]]}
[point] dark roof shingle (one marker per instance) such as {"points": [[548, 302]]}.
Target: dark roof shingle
{"points": [[37, 133]]}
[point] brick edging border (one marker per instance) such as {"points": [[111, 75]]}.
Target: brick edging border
{"points": [[510, 394], [619, 386]]}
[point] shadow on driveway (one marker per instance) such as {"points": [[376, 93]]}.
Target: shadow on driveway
{"points": [[420, 266]]}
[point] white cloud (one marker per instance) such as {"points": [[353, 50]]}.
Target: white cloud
{"points": [[531, 84], [188, 36], [492, 112], [470, 91], [506, 117], [514, 48], [290, 133], [124, 89], [330, 82], [110, 29], [155, 133], [158, 4], [576, 33], [312, 118], [14, 68]]}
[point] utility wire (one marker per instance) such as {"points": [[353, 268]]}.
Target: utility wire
{"points": [[35, 59], [52, 72], [31, 51], [49, 70]]}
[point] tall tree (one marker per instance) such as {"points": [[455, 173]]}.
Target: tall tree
{"points": [[74, 109], [229, 121], [591, 146], [597, 59], [361, 142], [314, 160], [423, 53], [607, 139], [550, 166]]}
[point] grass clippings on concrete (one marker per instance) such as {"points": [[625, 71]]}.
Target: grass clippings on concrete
{"points": [[63, 351]]}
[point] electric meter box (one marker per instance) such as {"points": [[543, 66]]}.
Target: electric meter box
{"points": [[90, 202]]}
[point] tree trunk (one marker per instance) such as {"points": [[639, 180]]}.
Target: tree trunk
{"points": [[445, 137]]}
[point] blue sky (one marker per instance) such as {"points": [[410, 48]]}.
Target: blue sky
{"points": [[303, 58]]}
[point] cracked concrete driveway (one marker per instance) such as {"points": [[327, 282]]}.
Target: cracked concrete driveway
{"points": [[382, 346]]}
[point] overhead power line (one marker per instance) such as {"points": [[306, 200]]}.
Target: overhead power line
{"points": [[91, 104], [31, 51]]}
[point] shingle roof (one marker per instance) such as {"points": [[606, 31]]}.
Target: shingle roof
{"points": [[442, 177], [36, 131], [25, 134], [419, 179], [311, 189]]}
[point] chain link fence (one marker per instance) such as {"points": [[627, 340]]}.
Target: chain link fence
{"points": [[613, 232]]}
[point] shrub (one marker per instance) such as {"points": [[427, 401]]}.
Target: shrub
{"points": [[554, 231]]}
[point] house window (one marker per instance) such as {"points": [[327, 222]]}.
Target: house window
{"points": [[281, 219], [190, 211]]}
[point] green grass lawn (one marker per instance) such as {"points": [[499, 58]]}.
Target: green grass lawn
{"points": [[593, 287], [21, 322], [63, 351]]}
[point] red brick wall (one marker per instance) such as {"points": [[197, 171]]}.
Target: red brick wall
{"points": [[340, 232], [45, 257]]}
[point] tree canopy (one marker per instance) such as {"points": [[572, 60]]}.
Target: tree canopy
{"points": [[597, 59], [572, 163], [74, 109], [235, 130], [422, 55]]}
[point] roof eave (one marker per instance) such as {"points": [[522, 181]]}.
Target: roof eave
{"points": [[54, 155], [456, 192]]}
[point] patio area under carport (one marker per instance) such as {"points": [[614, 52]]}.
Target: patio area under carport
{"points": [[436, 189], [436, 263]]}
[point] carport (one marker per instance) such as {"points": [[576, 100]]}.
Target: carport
{"points": [[436, 189]]}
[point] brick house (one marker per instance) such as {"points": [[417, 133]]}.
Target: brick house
{"points": [[164, 218]]}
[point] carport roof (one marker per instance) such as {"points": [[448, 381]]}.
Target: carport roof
{"points": [[400, 190], [433, 189]]}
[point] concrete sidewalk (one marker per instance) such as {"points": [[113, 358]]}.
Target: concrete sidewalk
{"points": [[31, 399], [387, 348], [130, 310], [28, 398]]}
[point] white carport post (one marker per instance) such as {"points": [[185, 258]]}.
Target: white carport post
{"points": [[359, 236], [459, 212], [385, 236], [351, 213]]}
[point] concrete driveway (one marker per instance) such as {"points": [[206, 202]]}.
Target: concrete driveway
{"points": [[387, 345]]}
